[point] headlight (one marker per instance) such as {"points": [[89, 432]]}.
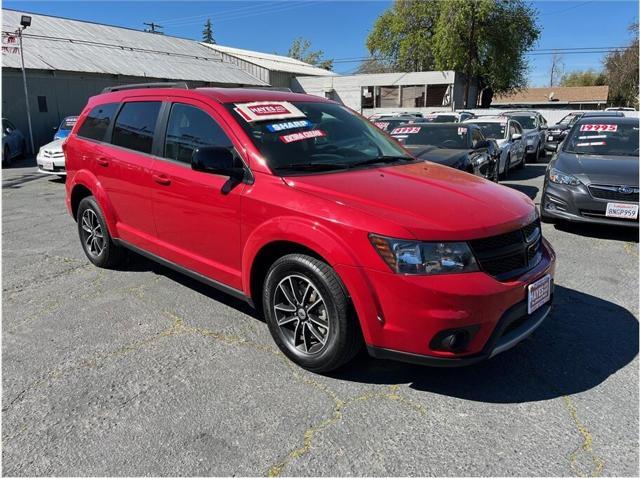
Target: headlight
{"points": [[559, 177], [413, 257]]}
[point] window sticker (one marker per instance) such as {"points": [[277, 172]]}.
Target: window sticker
{"points": [[406, 130], [276, 127], [267, 110], [302, 135], [462, 131], [593, 143], [70, 121], [381, 124], [597, 136], [599, 127]]}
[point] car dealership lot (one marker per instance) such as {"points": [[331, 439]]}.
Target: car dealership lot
{"points": [[144, 371]]}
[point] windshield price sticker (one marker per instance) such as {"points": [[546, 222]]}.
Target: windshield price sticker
{"points": [[599, 127], [381, 124], [70, 121], [274, 128], [406, 130], [293, 137], [462, 131], [592, 143], [267, 110]]}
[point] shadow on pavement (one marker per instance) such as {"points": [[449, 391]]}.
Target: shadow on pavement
{"points": [[598, 231], [583, 341]]}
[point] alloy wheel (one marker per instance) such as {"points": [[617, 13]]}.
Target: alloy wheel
{"points": [[92, 234], [301, 314]]}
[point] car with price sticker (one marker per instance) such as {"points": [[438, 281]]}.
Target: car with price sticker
{"points": [[304, 209], [448, 117], [534, 132], [558, 132], [50, 158], [65, 127], [389, 123], [593, 177], [462, 147]]}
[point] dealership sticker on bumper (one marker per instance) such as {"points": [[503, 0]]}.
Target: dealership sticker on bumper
{"points": [[622, 210], [539, 293]]}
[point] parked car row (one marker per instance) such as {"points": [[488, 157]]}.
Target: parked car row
{"points": [[318, 218]]}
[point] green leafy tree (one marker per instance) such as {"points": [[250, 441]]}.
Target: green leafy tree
{"points": [[301, 50], [375, 65], [484, 39], [584, 78], [207, 32], [403, 35], [621, 68]]}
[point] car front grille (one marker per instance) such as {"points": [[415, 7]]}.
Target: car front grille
{"points": [[615, 193], [511, 254], [53, 154]]}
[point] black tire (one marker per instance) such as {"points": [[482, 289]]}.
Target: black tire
{"points": [[6, 156], [504, 176], [109, 255], [342, 336], [536, 154], [522, 163]]}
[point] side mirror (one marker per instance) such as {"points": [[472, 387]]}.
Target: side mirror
{"points": [[481, 144], [216, 160], [516, 136]]}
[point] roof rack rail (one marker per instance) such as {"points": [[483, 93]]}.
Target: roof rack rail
{"points": [[181, 84]]}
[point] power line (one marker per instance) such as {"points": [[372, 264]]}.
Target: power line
{"points": [[152, 28]]}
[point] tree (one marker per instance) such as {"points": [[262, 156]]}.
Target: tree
{"points": [[487, 41], [556, 70], [301, 50], [403, 35], [375, 65], [621, 68], [583, 78], [207, 32]]}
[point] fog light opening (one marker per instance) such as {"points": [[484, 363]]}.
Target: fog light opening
{"points": [[455, 341]]}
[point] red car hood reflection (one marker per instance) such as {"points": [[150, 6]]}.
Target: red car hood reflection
{"points": [[430, 201]]}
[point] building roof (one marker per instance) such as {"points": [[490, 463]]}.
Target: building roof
{"points": [[559, 94], [272, 62], [54, 43]]}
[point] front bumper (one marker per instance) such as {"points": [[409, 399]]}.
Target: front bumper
{"points": [[58, 165], [402, 315], [575, 203]]}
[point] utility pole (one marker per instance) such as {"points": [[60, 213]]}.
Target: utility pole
{"points": [[25, 21], [153, 28]]}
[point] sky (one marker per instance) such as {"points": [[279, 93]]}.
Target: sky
{"points": [[340, 27]]}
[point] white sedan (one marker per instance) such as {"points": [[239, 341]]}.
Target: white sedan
{"points": [[50, 158]]}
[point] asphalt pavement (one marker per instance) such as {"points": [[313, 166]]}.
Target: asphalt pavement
{"points": [[143, 371]]}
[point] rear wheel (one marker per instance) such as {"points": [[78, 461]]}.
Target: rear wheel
{"points": [[536, 154], [309, 313], [94, 235], [522, 162]]}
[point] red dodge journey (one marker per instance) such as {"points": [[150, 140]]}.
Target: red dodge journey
{"points": [[306, 210]]}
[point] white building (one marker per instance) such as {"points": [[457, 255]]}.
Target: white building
{"points": [[422, 91]]}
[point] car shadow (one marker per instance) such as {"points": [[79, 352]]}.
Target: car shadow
{"points": [[600, 231], [18, 181], [583, 341]]}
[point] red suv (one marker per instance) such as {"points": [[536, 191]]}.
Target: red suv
{"points": [[309, 212]]}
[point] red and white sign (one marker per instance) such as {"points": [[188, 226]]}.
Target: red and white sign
{"points": [[462, 131], [406, 130], [381, 124], [539, 293], [268, 110], [302, 135], [599, 127]]}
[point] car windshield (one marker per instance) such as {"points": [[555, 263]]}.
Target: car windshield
{"points": [[604, 139], [443, 119], [569, 119], [449, 137], [493, 130], [68, 123], [527, 121], [314, 136]]}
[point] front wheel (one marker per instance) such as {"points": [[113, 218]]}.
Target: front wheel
{"points": [[309, 314], [505, 175], [522, 162]]}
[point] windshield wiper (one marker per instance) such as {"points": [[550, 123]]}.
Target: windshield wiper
{"points": [[313, 167], [381, 159]]}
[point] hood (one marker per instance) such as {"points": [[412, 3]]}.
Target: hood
{"points": [[430, 201], [448, 157], [54, 146], [596, 169]]}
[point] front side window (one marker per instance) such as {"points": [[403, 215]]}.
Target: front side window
{"points": [[604, 139], [190, 128], [321, 137], [136, 125], [97, 122], [527, 122]]}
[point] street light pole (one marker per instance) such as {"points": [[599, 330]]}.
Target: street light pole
{"points": [[25, 22]]}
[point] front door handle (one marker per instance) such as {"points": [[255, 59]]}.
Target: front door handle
{"points": [[161, 179], [102, 162]]}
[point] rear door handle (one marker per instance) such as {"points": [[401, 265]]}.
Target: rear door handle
{"points": [[102, 162], [161, 179]]}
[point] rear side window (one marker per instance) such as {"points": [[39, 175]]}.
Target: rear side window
{"points": [[136, 125], [189, 128], [97, 121]]}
